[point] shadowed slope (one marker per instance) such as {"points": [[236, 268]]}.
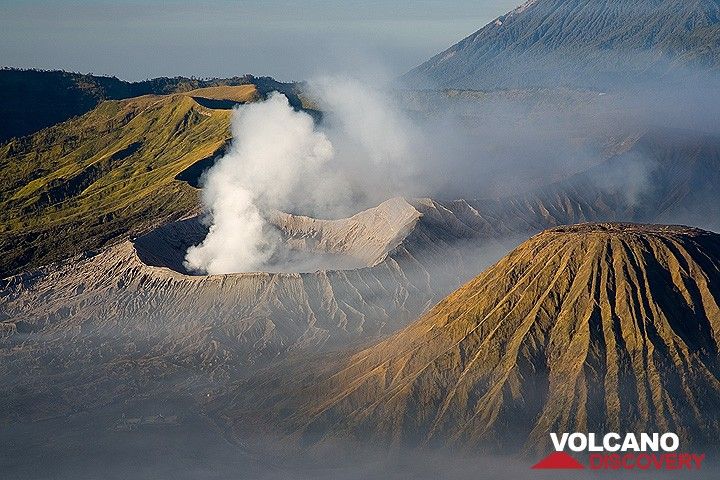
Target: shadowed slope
{"points": [[595, 327], [35, 99], [664, 176]]}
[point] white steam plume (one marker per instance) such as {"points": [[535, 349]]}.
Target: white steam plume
{"points": [[277, 160], [377, 145], [280, 160]]}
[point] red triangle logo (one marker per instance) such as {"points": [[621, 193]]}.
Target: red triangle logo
{"points": [[558, 460]]}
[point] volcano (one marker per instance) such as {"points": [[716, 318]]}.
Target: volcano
{"points": [[581, 43], [593, 327]]}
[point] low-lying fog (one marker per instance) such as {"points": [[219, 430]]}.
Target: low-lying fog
{"points": [[72, 450]]}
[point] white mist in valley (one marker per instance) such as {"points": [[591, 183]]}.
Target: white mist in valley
{"points": [[371, 145]]}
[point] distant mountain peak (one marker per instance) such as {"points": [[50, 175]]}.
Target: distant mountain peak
{"points": [[522, 7], [581, 43]]}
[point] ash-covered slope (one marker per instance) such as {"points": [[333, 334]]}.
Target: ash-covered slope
{"points": [[373, 273], [354, 278], [595, 327], [113, 318], [581, 43]]}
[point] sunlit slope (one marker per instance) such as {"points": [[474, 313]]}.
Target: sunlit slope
{"points": [[242, 93], [596, 327], [79, 184]]}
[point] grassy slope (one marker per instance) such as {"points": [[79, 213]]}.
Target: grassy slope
{"points": [[80, 184], [243, 93]]}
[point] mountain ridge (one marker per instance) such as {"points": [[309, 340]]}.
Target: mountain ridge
{"points": [[89, 175], [37, 99]]}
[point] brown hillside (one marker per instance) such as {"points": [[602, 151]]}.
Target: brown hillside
{"points": [[595, 327]]}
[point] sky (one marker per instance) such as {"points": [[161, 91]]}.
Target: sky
{"points": [[287, 39]]}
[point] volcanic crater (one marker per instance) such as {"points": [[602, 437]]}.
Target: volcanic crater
{"points": [[306, 244]]}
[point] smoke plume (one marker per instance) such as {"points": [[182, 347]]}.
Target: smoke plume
{"points": [[281, 160], [277, 160]]}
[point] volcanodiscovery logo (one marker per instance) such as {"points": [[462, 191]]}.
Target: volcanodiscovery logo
{"points": [[613, 451]]}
